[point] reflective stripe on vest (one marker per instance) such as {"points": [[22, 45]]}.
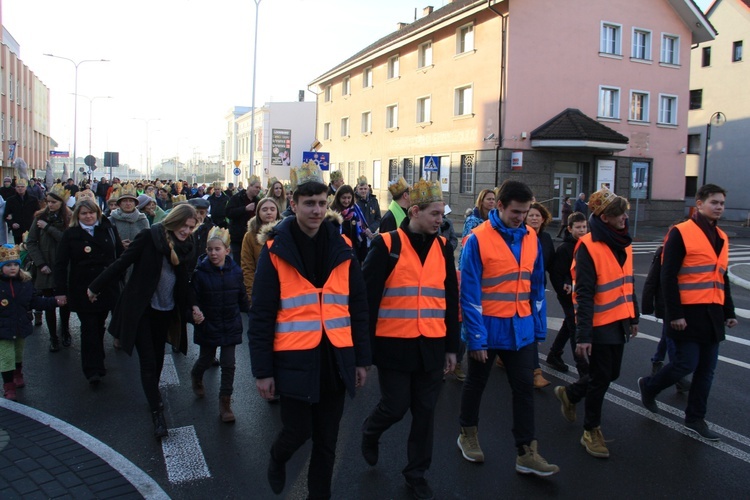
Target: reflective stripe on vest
{"points": [[613, 294], [506, 283], [701, 277], [413, 301], [305, 311]]}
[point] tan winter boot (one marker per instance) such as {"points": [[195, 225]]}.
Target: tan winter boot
{"points": [[539, 380], [468, 443], [225, 409]]}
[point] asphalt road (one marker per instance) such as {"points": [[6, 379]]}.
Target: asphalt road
{"points": [[651, 457]]}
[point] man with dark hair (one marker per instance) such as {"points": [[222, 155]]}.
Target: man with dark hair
{"points": [[504, 314], [239, 210], [698, 305], [20, 210], [369, 206], [606, 314], [309, 336]]}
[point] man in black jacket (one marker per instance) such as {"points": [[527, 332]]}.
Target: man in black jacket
{"points": [[698, 305], [20, 210], [240, 209], [308, 340], [218, 201]]}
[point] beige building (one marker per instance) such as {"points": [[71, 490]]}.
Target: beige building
{"points": [[720, 109]]}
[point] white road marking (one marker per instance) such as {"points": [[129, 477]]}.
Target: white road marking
{"points": [[169, 376], [730, 338], [183, 456]]}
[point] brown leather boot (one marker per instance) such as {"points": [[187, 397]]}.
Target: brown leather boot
{"points": [[10, 391], [539, 380], [198, 388], [225, 409]]}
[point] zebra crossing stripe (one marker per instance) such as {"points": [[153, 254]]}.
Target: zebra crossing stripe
{"points": [[183, 456]]}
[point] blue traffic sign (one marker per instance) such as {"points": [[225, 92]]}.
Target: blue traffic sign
{"points": [[431, 163], [237, 172], [319, 157]]}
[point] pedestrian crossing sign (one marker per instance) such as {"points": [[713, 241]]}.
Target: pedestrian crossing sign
{"points": [[431, 163]]}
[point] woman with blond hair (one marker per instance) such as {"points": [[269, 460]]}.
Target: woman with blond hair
{"points": [[277, 194], [155, 303], [266, 213], [485, 203]]}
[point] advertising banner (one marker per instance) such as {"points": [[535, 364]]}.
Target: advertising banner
{"points": [[281, 146]]}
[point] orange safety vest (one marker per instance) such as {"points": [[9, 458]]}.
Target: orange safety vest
{"points": [[413, 302], [701, 277], [305, 311], [613, 296], [506, 283]]}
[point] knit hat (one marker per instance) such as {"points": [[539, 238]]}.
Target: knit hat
{"points": [[10, 254], [600, 199], [144, 200], [7, 179]]}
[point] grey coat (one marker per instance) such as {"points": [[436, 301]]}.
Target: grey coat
{"points": [[128, 225]]}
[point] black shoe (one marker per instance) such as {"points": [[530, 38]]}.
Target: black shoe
{"points": [[420, 489], [648, 401], [656, 367], [37, 318], [369, 446], [54, 344], [66, 339], [556, 362], [701, 428], [160, 425], [95, 379], [276, 475], [683, 385], [215, 362]]}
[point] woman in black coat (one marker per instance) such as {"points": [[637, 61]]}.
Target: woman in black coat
{"points": [[86, 248], [155, 303]]}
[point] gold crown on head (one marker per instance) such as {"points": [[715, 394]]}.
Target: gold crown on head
{"points": [[362, 181], [425, 192], [308, 172], [600, 200], [179, 198], [59, 190], [127, 191], [86, 194], [398, 187], [253, 179], [271, 182], [219, 233], [336, 175], [115, 194], [10, 253]]}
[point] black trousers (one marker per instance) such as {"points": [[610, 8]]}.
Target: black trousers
{"points": [[92, 342], [400, 391], [319, 421], [604, 368], [151, 335]]}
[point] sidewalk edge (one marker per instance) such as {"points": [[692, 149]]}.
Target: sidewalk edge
{"points": [[736, 280]]}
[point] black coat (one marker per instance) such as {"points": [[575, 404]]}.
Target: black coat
{"points": [[297, 373], [218, 209], [81, 258], [221, 295], [21, 211], [652, 298], [17, 298], [559, 271], [238, 216], [705, 322], [146, 256]]}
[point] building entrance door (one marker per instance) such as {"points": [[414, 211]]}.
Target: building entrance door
{"points": [[565, 185]]}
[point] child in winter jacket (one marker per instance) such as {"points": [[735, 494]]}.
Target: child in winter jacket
{"points": [[221, 296], [17, 299]]}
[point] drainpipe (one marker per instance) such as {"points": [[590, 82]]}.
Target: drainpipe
{"points": [[503, 60]]}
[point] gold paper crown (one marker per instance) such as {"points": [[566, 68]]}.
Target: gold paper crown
{"points": [[308, 172], [116, 188], [252, 180], [599, 201], [127, 191], [9, 253], [158, 185], [398, 187], [271, 182], [59, 190], [219, 233], [216, 185], [362, 181], [336, 175], [425, 192], [86, 194], [22, 183], [179, 198]]}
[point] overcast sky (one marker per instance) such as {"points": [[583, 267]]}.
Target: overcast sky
{"points": [[185, 62]]}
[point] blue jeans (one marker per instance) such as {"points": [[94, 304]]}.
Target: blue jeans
{"points": [[519, 365], [690, 357]]}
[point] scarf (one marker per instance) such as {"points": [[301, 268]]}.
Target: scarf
{"points": [[185, 250], [354, 215], [398, 212], [616, 240], [88, 229], [132, 217]]}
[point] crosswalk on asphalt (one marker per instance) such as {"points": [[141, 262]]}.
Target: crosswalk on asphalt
{"points": [[737, 253]]}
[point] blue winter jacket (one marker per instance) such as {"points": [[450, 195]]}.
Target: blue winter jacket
{"points": [[221, 296], [482, 332], [17, 298]]}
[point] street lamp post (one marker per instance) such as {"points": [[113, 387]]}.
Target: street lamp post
{"points": [[75, 101], [91, 112], [148, 151], [718, 119], [252, 117]]}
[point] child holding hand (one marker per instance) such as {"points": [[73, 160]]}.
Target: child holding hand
{"points": [[220, 294]]}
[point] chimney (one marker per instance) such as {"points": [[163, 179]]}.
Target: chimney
{"points": [[427, 11], [400, 26]]}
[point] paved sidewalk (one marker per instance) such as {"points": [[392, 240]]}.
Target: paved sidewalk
{"points": [[43, 457]]}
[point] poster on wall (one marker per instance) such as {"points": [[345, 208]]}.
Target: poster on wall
{"points": [[605, 175], [281, 146], [445, 173], [639, 187]]}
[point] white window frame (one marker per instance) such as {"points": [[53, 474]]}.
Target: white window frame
{"points": [[327, 131], [459, 100], [613, 102], [327, 93], [465, 39], [424, 55], [391, 116], [646, 104], [675, 59], [346, 86], [424, 109], [646, 47], [367, 77], [366, 124], [10, 86], [663, 118], [605, 41], [393, 67], [2, 126], [345, 126]]}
